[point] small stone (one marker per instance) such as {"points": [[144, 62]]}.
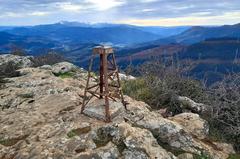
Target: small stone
{"points": [[63, 67]]}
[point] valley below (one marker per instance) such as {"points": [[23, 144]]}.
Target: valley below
{"points": [[212, 52]]}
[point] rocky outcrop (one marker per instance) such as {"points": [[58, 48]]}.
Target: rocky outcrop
{"points": [[21, 61], [132, 142], [40, 118], [142, 141], [36, 84], [173, 134]]}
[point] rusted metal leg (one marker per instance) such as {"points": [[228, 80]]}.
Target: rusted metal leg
{"points": [[101, 76], [119, 83], [106, 91], [88, 79]]}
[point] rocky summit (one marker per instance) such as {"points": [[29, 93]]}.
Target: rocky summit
{"points": [[40, 117]]}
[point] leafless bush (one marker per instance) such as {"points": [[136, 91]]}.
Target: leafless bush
{"points": [[162, 85], [8, 70], [47, 59], [226, 108]]}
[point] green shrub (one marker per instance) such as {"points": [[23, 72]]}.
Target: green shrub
{"points": [[137, 89], [161, 93], [202, 156], [71, 134], [65, 75], [234, 156]]}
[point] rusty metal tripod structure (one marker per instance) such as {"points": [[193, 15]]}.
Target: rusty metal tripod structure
{"points": [[108, 84]]}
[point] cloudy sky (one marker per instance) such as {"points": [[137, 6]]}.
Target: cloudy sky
{"points": [[139, 12]]}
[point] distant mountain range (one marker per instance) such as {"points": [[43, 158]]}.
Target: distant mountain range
{"points": [[73, 32], [197, 33], [212, 49], [64, 35], [158, 30], [69, 34]]}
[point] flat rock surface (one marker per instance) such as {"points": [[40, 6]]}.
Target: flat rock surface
{"points": [[96, 109]]}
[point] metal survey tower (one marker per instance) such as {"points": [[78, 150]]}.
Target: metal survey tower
{"points": [[108, 86]]}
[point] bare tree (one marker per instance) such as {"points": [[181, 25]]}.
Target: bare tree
{"points": [[16, 50]]}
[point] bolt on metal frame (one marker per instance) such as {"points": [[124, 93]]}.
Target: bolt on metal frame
{"points": [[107, 87]]}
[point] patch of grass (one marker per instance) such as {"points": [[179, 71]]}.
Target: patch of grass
{"points": [[202, 156], [234, 156], [78, 131], [93, 74], [65, 75], [12, 141], [8, 142], [71, 134], [26, 95]]}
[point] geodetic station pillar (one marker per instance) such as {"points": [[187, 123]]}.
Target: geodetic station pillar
{"points": [[108, 86]]}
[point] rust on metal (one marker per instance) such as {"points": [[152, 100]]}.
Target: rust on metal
{"points": [[108, 86]]}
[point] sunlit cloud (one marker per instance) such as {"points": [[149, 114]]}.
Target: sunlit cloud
{"points": [[148, 10], [39, 13], [68, 6], [105, 4], [142, 12], [148, 1], [22, 15], [11, 15], [229, 18]]}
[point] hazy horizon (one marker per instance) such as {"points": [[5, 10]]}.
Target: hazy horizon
{"points": [[134, 12], [96, 23]]}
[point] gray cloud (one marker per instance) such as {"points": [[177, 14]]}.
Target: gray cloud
{"points": [[179, 8], [47, 11]]}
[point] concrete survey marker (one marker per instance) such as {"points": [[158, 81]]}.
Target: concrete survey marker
{"points": [[96, 109], [108, 80]]}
